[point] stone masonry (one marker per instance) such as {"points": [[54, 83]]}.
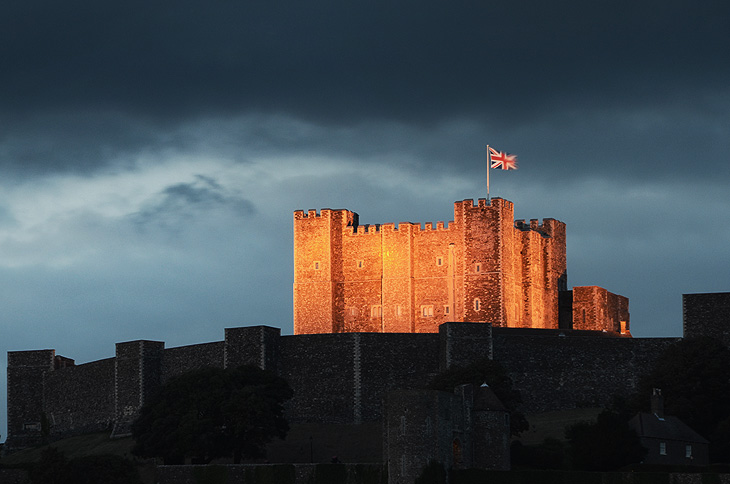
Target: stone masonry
{"points": [[338, 379], [482, 266]]}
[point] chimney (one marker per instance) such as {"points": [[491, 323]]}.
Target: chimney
{"points": [[657, 403]]}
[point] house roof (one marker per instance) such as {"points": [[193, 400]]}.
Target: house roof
{"points": [[668, 428], [485, 399]]}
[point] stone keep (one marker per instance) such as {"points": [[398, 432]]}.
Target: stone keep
{"points": [[482, 266]]}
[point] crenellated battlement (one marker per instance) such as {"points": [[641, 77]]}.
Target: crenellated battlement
{"points": [[547, 228], [482, 203], [350, 218], [375, 229], [440, 226], [367, 229]]}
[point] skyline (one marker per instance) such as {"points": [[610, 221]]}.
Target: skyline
{"points": [[153, 154]]}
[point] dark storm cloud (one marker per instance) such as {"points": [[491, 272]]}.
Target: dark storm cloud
{"points": [[185, 201], [78, 141], [85, 82], [344, 60]]}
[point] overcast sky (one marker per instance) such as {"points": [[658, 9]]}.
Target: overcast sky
{"points": [[152, 153]]}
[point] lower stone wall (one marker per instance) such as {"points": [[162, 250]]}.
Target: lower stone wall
{"points": [[320, 370], [343, 378], [177, 361], [79, 399], [336, 378], [274, 473], [398, 361], [377, 474], [567, 369], [474, 476]]}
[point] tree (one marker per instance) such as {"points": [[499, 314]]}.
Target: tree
{"points": [[604, 445], [211, 413], [694, 376], [493, 374]]}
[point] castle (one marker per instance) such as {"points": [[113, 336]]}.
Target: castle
{"points": [[482, 266], [362, 374]]}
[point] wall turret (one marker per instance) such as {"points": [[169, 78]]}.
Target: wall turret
{"points": [[137, 375], [27, 424]]}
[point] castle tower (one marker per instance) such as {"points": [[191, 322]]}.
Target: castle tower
{"points": [[137, 375], [26, 426], [482, 266], [487, 251], [318, 306]]}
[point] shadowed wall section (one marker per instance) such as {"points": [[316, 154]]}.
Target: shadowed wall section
{"points": [[338, 379]]}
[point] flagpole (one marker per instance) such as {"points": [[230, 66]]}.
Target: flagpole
{"points": [[488, 163]]}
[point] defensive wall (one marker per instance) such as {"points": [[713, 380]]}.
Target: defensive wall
{"points": [[707, 314], [336, 378]]}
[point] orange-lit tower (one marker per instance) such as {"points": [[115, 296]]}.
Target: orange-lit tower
{"points": [[482, 266]]}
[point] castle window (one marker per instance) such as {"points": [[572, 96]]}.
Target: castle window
{"points": [[399, 310], [316, 265], [447, 309], [439, 261], [477, 304], [662, 448], [688, 451], [353, 312], [360, 264], [32, 426], [376, 311], [478, 268], [427, 311]]}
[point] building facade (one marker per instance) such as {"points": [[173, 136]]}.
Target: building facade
{"points": [[482, 266]]}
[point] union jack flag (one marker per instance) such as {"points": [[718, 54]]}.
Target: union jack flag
{"points": [[502, 160]]}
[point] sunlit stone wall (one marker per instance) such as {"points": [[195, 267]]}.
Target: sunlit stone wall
{"points": [[482, 266]]}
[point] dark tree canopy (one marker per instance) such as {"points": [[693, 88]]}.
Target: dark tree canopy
{"points": [[604, 445], [694, 376], [211, 413], [493, 374]]}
